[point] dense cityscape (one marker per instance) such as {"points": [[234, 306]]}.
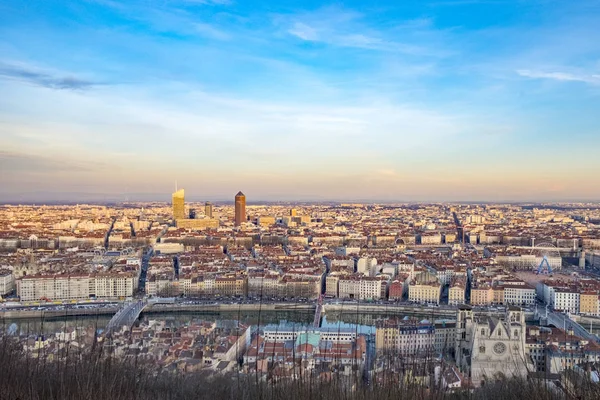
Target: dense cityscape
{"points": [[451, 295], [299, 200]]}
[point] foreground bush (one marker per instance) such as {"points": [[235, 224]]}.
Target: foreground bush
{"points": [[94, 375]]}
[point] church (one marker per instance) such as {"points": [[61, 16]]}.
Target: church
{"points": [[490, 346]]}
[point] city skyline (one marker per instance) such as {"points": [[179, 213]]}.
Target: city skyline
{"points": [[478, 100]]}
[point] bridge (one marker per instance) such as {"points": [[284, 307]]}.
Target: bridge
{"points": [[563, 321], [318, 312], [126, 316]]}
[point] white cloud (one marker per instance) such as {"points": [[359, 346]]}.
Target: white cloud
{"points": [[559, 76], [304, 32]]}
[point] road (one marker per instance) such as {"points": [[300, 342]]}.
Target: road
{"points": [[562, 321], [459, 228], [126, 316], [144, 270]]}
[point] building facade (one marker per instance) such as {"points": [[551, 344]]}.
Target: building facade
{"points": [[240, 208], [208, 209], [77, 287], [7, 282], [405, 337], [178, 203], [492, 346]]}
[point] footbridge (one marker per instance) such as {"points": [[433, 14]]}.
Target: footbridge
{"points": [[318, 312], [126, 316]]}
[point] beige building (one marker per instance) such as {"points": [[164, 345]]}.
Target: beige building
{"points": [[449, 237], [200, 223], [588, 303], [301, 219], [405, 337], [331, 285], [481, 295], [424, 292], [161, 285], [431, 238], [456, 293], [306, 288], [265, 220], [230, 286]]}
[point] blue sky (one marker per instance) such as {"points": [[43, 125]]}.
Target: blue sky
{"points": [[410, 101]]}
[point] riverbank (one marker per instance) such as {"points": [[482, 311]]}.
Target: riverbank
{"points": [[381, 309], [152, 308]]}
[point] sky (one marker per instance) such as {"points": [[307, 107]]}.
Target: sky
{"points": [[441, 100]]}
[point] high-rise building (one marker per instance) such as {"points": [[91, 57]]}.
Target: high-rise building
{"points": [[208, 209], [293, 212], [179, 204], [240, 208], [192, 213]]}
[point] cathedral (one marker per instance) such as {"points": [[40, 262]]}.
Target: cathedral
{"points": [[490, 346]]}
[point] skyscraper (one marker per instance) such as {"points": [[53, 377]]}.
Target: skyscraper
{"points": [[179, 204], [240, 208], [208, 209]]}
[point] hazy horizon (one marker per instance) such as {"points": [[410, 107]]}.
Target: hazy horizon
{"points": [[99, 198], [478, 100]]}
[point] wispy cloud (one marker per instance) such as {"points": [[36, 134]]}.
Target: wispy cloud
{"points": [[211, 31], [303, 32], [209, 2], [45, 79], [559, 76], [451, 3], [342, 28], [28, 163]]}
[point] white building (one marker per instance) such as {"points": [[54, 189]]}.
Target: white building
{"points": [[76, 287], [366, 266], [519, 295], [362, 288], [565, 300], [7, 282]]}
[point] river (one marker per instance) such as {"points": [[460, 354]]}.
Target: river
{"points": [[364, 322]]}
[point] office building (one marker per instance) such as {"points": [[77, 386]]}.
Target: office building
{"points": [[240, 208], [179, 204], [208, 209]]}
